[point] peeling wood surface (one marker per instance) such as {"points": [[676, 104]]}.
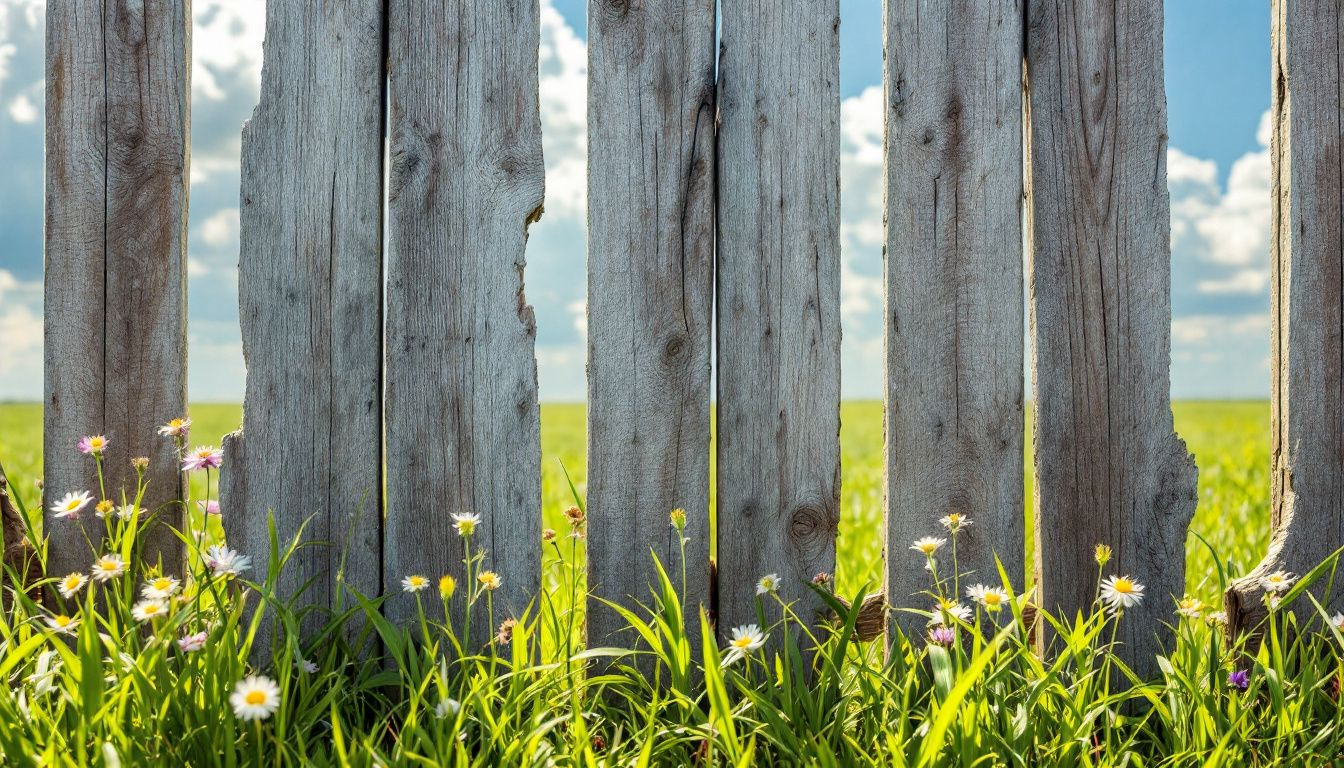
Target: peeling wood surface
{"points": [[466, 180], [954, 289], [310, 275], [1109, 467], [118, 126], [650, 298], [1307, 292], [778, 300]]}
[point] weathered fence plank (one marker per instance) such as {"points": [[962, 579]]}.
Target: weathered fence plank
{"points": [[118, 121], [466, 180], [1307, 244], [954, 288], [778, 300], [310, 275], [650, 298], [1109, 467]]}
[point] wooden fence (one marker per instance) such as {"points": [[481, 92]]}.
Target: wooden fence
{"points": [[391, 376]]}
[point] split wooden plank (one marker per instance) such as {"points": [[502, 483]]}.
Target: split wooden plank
{"points": [[650, 299], [778, 300], [466, 180], [1307, 291], [118, 126], [310, 296], [954, 290], [1109, 467]]}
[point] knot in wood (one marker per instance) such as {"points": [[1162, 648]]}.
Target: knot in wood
{"points": [[807, 523]]}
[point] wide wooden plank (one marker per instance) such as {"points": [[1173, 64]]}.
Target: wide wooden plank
{"points": [[1307, 291], [954, 290], [118, 122], [466, 180], [1109, 467], [650, 298], [778, 300], [310, 293]]}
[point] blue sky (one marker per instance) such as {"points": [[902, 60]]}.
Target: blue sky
{"points": [[1217, 67]]}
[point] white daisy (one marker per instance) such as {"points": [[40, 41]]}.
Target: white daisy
{"points": [[147, 610], [70, 505], [768, 583], [992, 598], [928, 545], [226, 562], [414, 583], [255, 698], [1121, 592], [1190, 607], [746, 638], [946, 610], [465, 523], [306, 666], [955, 521], [63, 624], [108, 567], [160, 588], [71, 584], [1278, 581]]}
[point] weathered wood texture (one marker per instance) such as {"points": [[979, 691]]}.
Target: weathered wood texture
{"points": [[650, 298], [118, 123], [466, 180], [778, 300], [1307, 291], [1109, 467], [310, 277], [954, 287]]}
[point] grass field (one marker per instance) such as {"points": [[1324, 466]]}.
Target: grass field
{"points": [[1230, 441]]}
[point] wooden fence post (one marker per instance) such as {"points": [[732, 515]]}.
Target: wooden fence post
{"points": [[954, 289], [1109, 467], [650, 294], [466, 180], [1307, 247], [778, 300], [310, 294], [118, 122]]}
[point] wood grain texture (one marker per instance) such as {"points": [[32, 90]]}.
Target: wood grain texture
{"points": [[778, 300], [310, 278], [1109, 467], [954, 289], [466, 180], [118, 126], [650, 298], [1307, 291]]}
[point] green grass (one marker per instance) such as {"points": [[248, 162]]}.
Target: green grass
{"points": [[120, 691]]}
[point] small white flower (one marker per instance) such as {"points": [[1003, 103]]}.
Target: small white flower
{"points": [[108, 567], [992, 598], [1121, 592], [1190, 607], [768, 583], [255, 698], [63, 624], [306, 666], [955, 521], [1217, 617], [70, 505], [946, 610], [1338, 621], [928, 545], [1278, 581], [745, 639], [465, 523], [71, 584], [148, 610], [160, 588], [127, 511], [414, 583], [226, 562], [447, 708], [176, 428], [192, 643]]}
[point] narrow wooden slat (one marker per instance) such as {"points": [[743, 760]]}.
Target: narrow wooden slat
{"points": [[118, 117], [1307, 292], [310, 276], [466, 179], [650, 293], [954, 289], [1109, 467], [778, 300]]}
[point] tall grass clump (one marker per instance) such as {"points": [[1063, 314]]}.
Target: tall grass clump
{"points": [[124, 665]]}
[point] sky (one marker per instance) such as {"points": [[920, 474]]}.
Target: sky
{"points": [[1217, 78]]}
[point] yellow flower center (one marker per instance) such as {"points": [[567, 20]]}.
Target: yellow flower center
{"points": [[417, 581], [108, 565], [742, 643], [72, 505], [96, 443], [71, 582], [151, 609], [255, 698], [993, 598], [175, 423], [1123, 586], [62, 621]]}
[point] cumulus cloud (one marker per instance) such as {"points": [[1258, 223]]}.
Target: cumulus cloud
{"points": [[20, 336]]}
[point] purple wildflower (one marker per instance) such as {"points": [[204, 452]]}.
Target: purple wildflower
{"points": [[942, 636], [1239, 679], [202, 457]]}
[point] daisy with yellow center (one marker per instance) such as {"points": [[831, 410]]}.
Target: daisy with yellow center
{"points": [[769, 583], [414, 583], [102, 508], [63, 624], [176, 428], [71, 504], [1190, 607], [160, 588], [148, 610], [1278, 581], [928, 545], [955, 521], [489, 580], [93, 444], [744, 640], [947, 610], [992, 598], [108, 567], [1121, 592], [71, 584], [465, 523], [255, 698]]}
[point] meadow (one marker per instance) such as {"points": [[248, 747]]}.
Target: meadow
{"points": [[134, 668]]}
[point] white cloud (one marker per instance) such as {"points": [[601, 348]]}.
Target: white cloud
{"points": [[1247, 281], [862, 238], [21, 331], [22, 109], [221, 228], [563, 66], [1233, 226], [226, 36]]}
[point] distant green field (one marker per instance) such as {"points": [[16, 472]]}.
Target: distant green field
{"points": [[1230, 441]]}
